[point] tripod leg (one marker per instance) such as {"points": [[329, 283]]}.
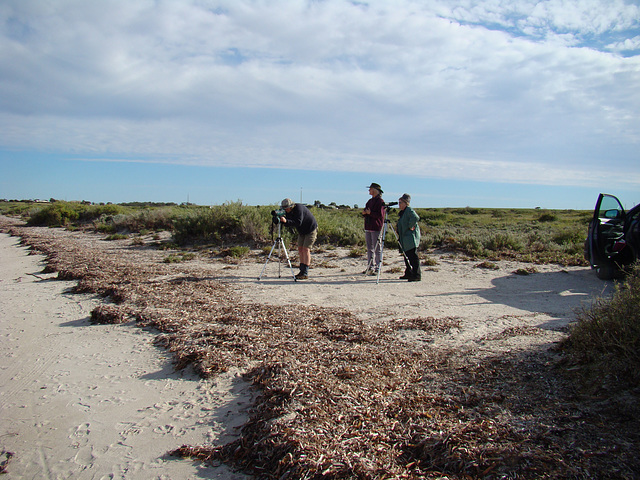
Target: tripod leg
{"points": [[268, 258], [286, 254], [382, 238], [280, 243], [401, 249]]}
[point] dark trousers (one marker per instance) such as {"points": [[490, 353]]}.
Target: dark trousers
{"points": [[412, 263]]}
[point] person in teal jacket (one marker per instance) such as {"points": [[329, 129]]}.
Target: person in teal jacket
{"points": [[409, 237]]}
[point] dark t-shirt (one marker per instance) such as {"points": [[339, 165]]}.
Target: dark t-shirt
{"points": [[301, 218]]}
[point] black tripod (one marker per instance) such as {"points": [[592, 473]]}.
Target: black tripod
{"points": [[281, 247], [386, 225]]}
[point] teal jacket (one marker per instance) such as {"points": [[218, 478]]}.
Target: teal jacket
{"points": [[408, 238]]}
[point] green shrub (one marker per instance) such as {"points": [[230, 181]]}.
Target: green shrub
{"points": [[547, 217], [59, 214], [569, 236], [430, 261], [209, 225], [339, 227], [105, 227], [116, 236], [488, 265], [16, 208], [470, 245], [501, 242], [56, 214], [237, 251], [154, 219], [179, 257], [606, 338]]}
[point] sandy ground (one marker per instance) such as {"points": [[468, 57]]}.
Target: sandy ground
{"points": [[82, 401], [485, 302], [101, 402]]}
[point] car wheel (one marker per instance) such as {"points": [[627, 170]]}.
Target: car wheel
{"points": [[605, 271]]}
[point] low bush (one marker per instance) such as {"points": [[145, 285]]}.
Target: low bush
{"points": [[237, 251], [147, 219], [339, 227], [57, 214], [500, 242], [209, 225], [606, 338], [470, 245], [548, 217], [116, 236]]}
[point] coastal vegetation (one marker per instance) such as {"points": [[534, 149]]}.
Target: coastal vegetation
{"points": [[530, 235], [605, 341]]}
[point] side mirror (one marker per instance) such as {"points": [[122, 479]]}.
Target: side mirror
{"points": [[612, 214]]}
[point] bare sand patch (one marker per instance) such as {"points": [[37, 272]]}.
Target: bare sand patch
{"points": [[90, 401]]}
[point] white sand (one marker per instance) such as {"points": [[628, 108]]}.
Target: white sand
{"points": [[82, 401]]}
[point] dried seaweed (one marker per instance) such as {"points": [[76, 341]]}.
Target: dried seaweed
{"points": [[108, 314], [428, 324], [340, 398], [6, 457]]}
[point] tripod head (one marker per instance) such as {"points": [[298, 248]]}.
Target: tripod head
{"points": [[387, 209]]}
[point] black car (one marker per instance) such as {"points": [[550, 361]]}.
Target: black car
{"points": [[613, 241]]}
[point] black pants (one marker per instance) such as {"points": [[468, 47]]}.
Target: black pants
{"points": [[412, 263]]}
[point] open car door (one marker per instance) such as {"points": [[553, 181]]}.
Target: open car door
{"points": [[606, 231]]}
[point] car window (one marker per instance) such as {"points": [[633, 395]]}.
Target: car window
{"points": [[610, 208]]}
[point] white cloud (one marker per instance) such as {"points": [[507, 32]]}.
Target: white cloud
{"points": [[627, 45], [334, 84]]}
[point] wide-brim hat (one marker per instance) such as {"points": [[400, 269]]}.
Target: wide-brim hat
{"points": [[376, 186]]}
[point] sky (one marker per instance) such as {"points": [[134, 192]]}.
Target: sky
{"points": [[497, 103]]}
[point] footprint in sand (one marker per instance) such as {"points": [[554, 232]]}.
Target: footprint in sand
{"points": [[81, 431]]}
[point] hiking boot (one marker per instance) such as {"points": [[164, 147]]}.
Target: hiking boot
{"points": [[414, 279], [302, 276]]}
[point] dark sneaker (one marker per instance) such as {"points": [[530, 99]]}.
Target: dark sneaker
{"points": [[301, 276], [414, 279]]}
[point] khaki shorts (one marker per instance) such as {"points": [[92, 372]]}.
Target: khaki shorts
{"points": [[307, 240]]}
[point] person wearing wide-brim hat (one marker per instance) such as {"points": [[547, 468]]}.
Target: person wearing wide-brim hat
{"points": [[409, 238], [373, 222]]}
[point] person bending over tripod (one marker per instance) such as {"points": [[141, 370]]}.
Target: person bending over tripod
{"points": [[300, 217], [409, 238]]}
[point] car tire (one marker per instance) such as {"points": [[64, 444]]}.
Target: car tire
{"points": [[605, 271]]}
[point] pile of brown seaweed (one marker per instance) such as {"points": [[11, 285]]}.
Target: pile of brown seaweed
{"points": [[343, 399]]}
